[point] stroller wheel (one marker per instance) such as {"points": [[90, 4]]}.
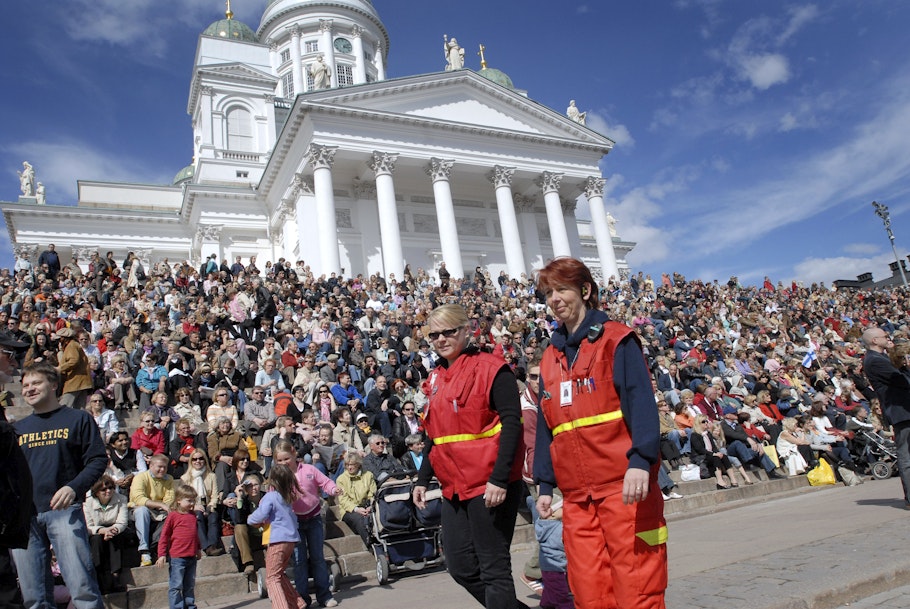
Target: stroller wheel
{"points": [[882, 470], [261, 590], [382, 568], [334, 576]]}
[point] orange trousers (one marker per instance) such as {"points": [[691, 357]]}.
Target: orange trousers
{"points": [[617, 554]]}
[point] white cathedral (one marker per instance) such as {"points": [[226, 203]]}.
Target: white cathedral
{"points": [[304, 150]]}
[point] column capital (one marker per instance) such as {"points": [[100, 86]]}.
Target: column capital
{"points": [[303, 185], [363, 189], [501, 176], [439, 169], [549, 181], [269, 98], [593, 187], [356, 31], [287, 210], [325, 25], [206, 90], [522, 203], [84, 252], [273, 46], [295, 31], [209, 232], [321, 157], [26, 250], [382, 162], [568, 205]]}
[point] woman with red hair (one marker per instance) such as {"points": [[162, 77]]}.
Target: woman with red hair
{"points": [[598, 440]]}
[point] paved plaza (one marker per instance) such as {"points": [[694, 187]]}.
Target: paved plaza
{"points": [[820, 549]]}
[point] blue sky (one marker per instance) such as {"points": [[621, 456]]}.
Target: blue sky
{"points": [[751, 137]]}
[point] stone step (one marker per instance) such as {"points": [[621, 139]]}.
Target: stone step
{"points": [[699, 497], [234, 585], [208, 566]]}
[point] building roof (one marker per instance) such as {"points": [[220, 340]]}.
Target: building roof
{"points": [[231, 28]]}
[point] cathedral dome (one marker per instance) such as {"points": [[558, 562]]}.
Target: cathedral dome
{"points": [[184, 175], [497, 76], [233, 29]]}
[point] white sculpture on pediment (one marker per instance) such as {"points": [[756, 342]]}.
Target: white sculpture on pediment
{"points": [[454, 53], [321, 73], [39, 194], [611, 224], [27, 179], [573, 113]]}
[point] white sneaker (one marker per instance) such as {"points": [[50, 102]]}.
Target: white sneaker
{"points": [[666, 496], [145, 560], [675, 495], [331, 603]]}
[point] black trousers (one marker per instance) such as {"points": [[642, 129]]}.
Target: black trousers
{"points": [[476, 542]]}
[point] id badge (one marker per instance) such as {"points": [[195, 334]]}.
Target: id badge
{"points": [[565, 393]]}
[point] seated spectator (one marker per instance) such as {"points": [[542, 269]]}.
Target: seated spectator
{"points": [[745, 448], [788, 443], [181, 447], [270, 378], [346, 432], [307, 375], [248, 539], [151, 495], [377, 406], [345, 393], [258, 413], [379, 462], [328, 455], [163, 415], [673, 440], [408, 423], [230, 477], [147, 438], [120, 384], [324, 403], [222, 443], [150, 378], [185, 408], [208, 523], [125, 462], [705, 449], [356, 501], [106, 419], [298, 403], [107, 519], [413, 457], [222, 408]]}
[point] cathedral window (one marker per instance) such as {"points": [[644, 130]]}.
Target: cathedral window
{"points": [[311, 46], [345, 74], [285, 55], [287, 85], [239, 129]]}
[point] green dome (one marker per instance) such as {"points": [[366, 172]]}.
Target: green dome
{"points": [[184, 174], [231, 28], [497, 76]]}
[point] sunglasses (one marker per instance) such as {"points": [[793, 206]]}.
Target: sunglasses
{"points": [[198, 459], [407, 410], [106, 488], [244, 459], [380, 443], [533, 377], [446, 333]]}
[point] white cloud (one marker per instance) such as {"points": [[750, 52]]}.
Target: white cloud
{"points": [[60, 164], [617, 132], [857, 249], [841, 267], [764, 71], [799, 16], [788, 122]]}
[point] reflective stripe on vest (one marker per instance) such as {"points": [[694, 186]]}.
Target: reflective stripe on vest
{"points": [[587, 421], [654, 537], [464, 437]]}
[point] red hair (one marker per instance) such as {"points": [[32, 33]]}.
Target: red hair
{"points": [[566, 272]]}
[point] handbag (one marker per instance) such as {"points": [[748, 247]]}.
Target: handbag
{"points": [[771, 451], [822, 474], [689, 473], [848, 476]]}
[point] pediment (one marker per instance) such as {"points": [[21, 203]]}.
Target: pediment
{"points": [[460, 97], [237, 71]]}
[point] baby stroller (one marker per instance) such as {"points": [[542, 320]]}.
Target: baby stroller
{"points": [[880, 453], [405, 537]]}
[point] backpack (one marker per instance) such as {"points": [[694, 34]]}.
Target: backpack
{"points": [[15, 491]]}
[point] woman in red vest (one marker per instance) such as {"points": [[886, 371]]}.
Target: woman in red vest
{"points": [[473, 419], [598, 439]]}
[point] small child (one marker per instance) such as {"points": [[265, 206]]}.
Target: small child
{"points": [[556, 593], [282, 536], [180, 543]]}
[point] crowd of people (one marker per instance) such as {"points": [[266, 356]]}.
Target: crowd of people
{"points": [[231, 366]]}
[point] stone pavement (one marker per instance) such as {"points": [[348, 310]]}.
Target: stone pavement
{"points": [[816, 550]]}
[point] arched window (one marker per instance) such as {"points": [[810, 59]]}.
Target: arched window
{"points": [[239, 130]]}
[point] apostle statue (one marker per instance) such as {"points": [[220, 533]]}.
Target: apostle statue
{"points": [[27, 179], [321, 74], [454, 53], [573, 113]]}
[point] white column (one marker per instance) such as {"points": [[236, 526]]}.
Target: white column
{"points": [[360, 70], [549, 183], [322, 158], [206, 117], [383, 164], [438, 170], [270, 121], [307, 249], [274, 61], [530, 236], [594, 192], [297, 69], [287, 220], [209, 238], [502, 180], [380, 63], [327, 48], [568, 218]]}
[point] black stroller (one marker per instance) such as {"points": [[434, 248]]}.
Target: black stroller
{"points": [[404, 537], [879, 452]]}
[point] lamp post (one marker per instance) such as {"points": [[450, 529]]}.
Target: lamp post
{"points": [[882, 212]]}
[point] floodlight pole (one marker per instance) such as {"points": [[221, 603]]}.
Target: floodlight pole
{"points": [[882, 212]]}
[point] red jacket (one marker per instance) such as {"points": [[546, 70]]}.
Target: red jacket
{"points": [[464, 429], [590, 439], [154, 441]]}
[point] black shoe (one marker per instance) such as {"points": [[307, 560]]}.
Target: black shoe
{"points": [[215, 551], [773, 475]]}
